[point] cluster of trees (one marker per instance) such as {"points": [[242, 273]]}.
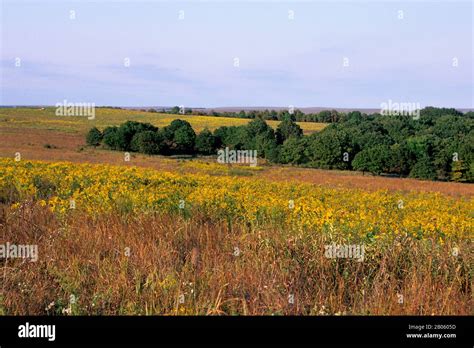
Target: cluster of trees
{"points": [[177, 138], [438, 145]]}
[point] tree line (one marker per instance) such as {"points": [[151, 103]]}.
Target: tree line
{"points": [[439, 145], [325, 116]]}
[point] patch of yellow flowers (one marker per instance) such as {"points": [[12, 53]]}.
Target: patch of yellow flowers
{"points": [[97, 189]]}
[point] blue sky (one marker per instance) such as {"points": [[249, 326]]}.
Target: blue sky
{"points": [[282, 62]]}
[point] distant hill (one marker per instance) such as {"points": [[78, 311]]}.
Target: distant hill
{"points": [[306, 110]]}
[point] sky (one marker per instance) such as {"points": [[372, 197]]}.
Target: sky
{"points": [[237, 53]]}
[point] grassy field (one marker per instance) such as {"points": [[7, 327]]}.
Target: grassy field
{"points": [[139, 241], [42, 144], [41, 135], [34, 118], [160, 235]]}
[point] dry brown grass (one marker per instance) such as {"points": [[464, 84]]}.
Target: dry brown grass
{"points": [[348, 179], [194, 257]]}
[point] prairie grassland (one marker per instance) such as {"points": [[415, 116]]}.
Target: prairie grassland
{"points": [[140, 241], [169, 236], [47, 145], [186, 266], [46, 119], [102, 189]]}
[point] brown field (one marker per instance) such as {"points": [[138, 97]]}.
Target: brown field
{"points": [[172, 257]]}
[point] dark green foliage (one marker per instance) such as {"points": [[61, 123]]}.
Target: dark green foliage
{"points": [[286, 129], [220, 136], [432, 112], [178, 138], [327, 149], [94, 137], [375, 159], [127, 130], [293, 151], [257, 135], [423, 169], [235, 137], [110, 137], [147, 142], [183, 140], [266, 145], [400, 160], [258, 126], [451, 126], [206, 143]]}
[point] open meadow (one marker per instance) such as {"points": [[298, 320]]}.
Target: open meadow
{"points": [[175, 236], [261, 173], [45, 118]]}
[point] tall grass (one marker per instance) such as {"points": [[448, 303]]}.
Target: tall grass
{"points": [[171, 265]]}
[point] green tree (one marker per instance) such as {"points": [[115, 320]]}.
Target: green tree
{"points": [[423, 169], [234, 137], [206, 142], [328, 149], [355, 116], [184, 139], [400, 160], [148, 142], [293, 151], [94, 137], [324, 116], [178, 138], [110, 137], [127, 130], [266, 146], [374, 160], [451, 126], [286, 129], [255, 128]]}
